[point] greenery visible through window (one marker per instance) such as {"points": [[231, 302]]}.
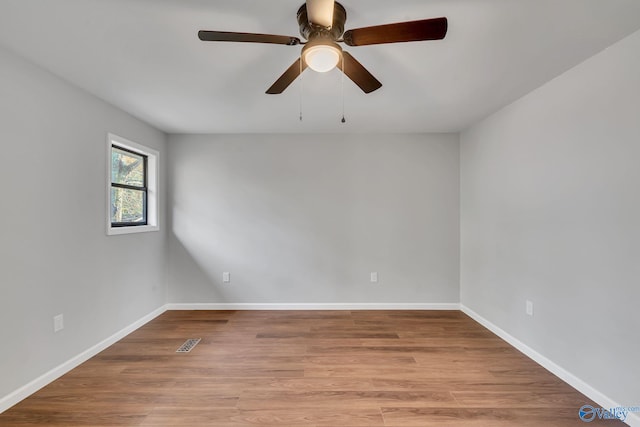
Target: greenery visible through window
{"points": [[128, 188]]}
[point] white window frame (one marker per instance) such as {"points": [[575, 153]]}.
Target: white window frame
{"points": [[153, 158]]}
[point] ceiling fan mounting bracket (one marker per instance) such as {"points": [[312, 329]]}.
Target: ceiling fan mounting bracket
{"points": [[312, 31]]}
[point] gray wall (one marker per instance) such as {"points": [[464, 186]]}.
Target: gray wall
{"points": [[306, 218], [55, 256], [551, 212]]}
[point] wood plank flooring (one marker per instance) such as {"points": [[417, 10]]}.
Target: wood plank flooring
{"points": [[306, 368]]}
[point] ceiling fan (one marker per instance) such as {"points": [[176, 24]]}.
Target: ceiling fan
{"points": [[322, 25]]}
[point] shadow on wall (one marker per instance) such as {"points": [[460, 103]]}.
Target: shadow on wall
{"points": [[273, 254]]}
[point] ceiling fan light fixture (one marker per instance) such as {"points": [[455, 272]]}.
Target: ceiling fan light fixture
{"points": [[322, 57]]}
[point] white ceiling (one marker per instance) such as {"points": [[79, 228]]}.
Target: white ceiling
{"points": [[144, 57]]}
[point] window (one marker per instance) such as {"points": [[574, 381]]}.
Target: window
{"points": [[128, 188], [132, 187]]}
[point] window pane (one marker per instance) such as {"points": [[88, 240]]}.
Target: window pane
{"points": [[127, 206], [127, 168]]}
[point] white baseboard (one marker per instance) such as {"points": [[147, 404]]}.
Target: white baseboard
{"points": [[305, 306], [11, 399], [633, 419]]}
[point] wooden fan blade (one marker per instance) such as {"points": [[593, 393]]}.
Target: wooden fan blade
{"points": [[412, 31], [356, 72], [287, 78], [225, 36], [320, 12]]}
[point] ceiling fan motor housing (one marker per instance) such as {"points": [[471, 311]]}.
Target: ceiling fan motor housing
{"points": [[312, 31]]}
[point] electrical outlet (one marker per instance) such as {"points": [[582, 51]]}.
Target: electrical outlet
{"points": [[529, 308], [58, 323], [374, 277], [226, 277]]}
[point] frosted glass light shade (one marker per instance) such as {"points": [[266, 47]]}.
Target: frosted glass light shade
{"points": [[322, 58]]}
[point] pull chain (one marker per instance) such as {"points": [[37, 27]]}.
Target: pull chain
{"points": [[300, 86], [342, 89]]}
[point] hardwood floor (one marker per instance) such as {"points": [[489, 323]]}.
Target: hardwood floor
{"points": [[306, 368]]}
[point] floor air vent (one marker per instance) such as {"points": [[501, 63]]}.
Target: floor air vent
{"points": [[188, 345]]}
